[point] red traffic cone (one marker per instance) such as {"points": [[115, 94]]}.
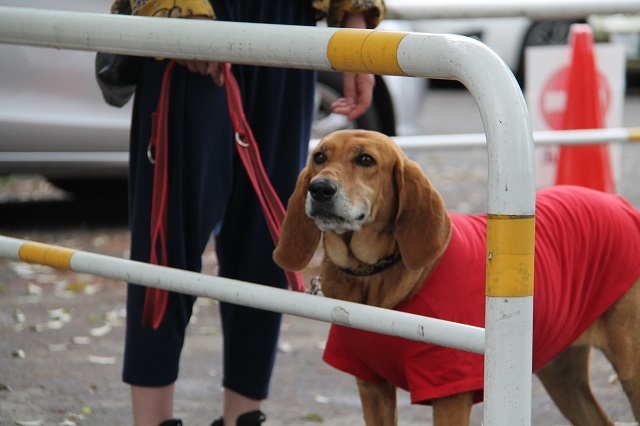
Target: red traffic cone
{"points": [[584, 165]]}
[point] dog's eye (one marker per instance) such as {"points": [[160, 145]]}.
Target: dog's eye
{"points": [[365, 160], [319, 158]]}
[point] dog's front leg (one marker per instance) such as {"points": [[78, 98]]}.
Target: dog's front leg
{"points": [[379, 403], [454, 410]]}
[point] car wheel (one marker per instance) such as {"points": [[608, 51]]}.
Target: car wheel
{"points": [[543, 33], [329, 88]]}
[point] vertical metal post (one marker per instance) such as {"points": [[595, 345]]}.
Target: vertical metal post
{"points": [[511, 208]]}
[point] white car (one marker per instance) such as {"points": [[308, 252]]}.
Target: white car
{"points": [[510, 26], [54, 122]]}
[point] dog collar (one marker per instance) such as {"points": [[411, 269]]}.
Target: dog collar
{"points": [[370, 269]]}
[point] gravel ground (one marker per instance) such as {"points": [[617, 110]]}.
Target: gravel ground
{"points": [[62, 333]]}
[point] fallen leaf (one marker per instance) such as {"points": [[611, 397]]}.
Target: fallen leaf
{"points": [[60, 314], [19, 354], [100, 331], [285, 347], [34, 290], [313, 417], [18, 316], [75, 416], [54, 325], [321, 399], [81, 340], [100, 240], [75, 286], [91, 289], [29, 422], [211, 330], [24, 270], [39, 328], [116, 317], [102, 360], [57, 347]]}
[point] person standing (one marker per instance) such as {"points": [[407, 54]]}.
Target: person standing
{"points": [[209, 192]]}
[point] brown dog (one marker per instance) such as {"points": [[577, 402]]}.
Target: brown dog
{"points": [[389, 242]]}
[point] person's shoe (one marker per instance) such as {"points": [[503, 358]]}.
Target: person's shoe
{"points": [[252, 418], [172, 422]]}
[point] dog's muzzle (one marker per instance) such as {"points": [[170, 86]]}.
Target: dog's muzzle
{"points": [[329, 207]]}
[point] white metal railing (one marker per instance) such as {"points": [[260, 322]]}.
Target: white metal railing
{"points": [[414, 327], [511, 197], [535, 9], [541, 137]]}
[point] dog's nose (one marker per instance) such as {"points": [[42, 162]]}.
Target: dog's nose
{"points": [[322, 190]]}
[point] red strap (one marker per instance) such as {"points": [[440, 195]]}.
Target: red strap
{"points": [[155, 303], [249, 153]]}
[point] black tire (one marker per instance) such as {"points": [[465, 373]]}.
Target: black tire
{"points": [[543, 33]]}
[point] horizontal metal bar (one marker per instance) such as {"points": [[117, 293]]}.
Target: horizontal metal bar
{"points": [[385, 321], [257, 44], [542, 137], [535, 9], [418, 142]]}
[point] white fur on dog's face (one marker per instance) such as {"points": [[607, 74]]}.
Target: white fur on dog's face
{"points": [[340, 214]]}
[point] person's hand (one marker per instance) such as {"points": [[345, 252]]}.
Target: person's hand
{"points": [[203, 67], [358, 94], [358, 88]]}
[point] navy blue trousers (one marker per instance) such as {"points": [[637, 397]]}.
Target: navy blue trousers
{"points": [[209, 190]]}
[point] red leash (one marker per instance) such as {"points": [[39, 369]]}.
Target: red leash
{"points": [[155, 303], [247, 146]]}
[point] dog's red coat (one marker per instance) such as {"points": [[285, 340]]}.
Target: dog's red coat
{"points": [[587, 255]]}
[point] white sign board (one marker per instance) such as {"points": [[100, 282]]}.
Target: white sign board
{"points": [[546, 70]]}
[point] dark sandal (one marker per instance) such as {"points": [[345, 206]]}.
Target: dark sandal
{"points": [[172, 422], [252, 418]]}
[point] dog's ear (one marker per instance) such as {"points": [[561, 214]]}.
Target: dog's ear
{"points": [[422, 224], [299, 236]]}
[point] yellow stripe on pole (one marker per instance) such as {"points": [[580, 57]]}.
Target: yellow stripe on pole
{"points": [[44, 254], [634, 134], [510, 249], [372, 52]]}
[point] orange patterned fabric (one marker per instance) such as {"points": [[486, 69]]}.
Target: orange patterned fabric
{"points": [[333, 11]]}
